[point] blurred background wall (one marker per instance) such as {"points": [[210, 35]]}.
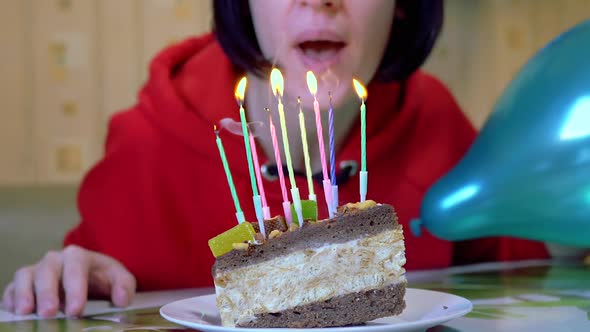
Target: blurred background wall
{"points": [[67, 65]]}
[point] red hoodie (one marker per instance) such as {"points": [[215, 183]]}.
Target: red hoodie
{"points": [[160, 191]]}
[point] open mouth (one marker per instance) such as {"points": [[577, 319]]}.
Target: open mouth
{"points": [[320, 50], [318, 55]]}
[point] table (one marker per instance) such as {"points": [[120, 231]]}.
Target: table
{"points": [[523, 296]]}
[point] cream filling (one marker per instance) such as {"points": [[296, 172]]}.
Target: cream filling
{"points": [[310, 275]]}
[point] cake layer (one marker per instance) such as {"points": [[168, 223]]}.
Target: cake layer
{"points": [[350, 309], [338, 230], [310, 275]]}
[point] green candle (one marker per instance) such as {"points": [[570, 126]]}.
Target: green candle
{"points": [[277, 84], [240, 90], [363, 137], [362, 93], [363, 175], [230, 180], [248, 151]]}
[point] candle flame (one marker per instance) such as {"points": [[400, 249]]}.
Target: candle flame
{"points": [[312, 83], [215, 129], [241, 89], [360, 89], [277, 82]]}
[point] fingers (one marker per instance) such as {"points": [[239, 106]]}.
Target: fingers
{"points": [[123, 287], [46, 283], [122, 282], [24, 302], [8, 297], [79, 271], [75, 279]]}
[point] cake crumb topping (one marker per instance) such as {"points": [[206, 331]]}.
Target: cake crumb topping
{"points": [[274, 234], [275, 223], [351, 208], [240, 246]]}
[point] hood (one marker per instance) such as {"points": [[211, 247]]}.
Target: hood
{"points": [[190, 88]]}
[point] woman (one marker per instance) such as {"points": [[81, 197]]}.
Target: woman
{"points": [[149, 207]]}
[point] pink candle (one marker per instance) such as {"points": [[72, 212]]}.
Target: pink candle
{"points": [[318, 123], [265, 208], [312, 84]]}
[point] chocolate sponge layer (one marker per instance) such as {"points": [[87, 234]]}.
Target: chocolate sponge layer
{"points": [[349, 309], [341, 229]]}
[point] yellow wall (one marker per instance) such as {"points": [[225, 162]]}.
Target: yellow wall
{"points": [[66, 66], [485, 42]]}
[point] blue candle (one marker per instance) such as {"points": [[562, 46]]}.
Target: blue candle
{"points": [[332, 158], [332, 152]]}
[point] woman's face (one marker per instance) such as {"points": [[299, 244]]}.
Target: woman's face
{"points": [[337, 40]]}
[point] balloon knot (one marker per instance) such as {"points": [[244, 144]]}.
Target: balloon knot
{"points": [[416, 227]]}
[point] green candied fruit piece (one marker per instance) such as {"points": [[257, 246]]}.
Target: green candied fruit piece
{"points": [[223, 243], [309, 209]]}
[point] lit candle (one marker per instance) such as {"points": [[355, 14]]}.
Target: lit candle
{"points": [[277, 151], [230, 181], [332, 156], [362, 93], [277, 84], [308, 173], [240, 91], [312, 84], [265, 208]]}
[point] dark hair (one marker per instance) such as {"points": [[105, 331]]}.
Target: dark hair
{"points": [[416, 26]]}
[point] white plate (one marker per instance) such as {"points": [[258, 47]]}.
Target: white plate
{"points": [[424, 309]]}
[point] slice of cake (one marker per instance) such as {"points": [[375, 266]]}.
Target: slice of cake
{"points": [[341, 271]]}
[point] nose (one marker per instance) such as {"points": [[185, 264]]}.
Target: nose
{"points": [[324, 4]]}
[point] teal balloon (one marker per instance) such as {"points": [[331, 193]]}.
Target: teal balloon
{"points": [[527, 174]]}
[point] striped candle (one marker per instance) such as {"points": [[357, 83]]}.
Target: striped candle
{"points": [[308, 172], [362, 93], [312, 84], [230, 181], [332, 149], [265, 208], [241, 87], [332, 156], [277, 151], [239, 94], [277, 84]]}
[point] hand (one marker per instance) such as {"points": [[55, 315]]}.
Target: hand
{"points": [[77, 272]]}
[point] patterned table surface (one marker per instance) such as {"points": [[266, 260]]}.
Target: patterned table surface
{"points": [[524, 296]]}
